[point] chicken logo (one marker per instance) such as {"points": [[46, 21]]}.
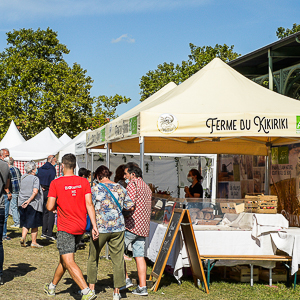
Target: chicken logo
{"points": [[167, 123]]}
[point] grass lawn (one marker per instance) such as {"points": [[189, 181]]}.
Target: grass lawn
{"points": [[26, 270]]}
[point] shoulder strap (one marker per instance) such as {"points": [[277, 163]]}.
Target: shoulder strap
{"points": [[112, 196]]}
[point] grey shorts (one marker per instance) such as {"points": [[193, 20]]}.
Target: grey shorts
{"points": [[66, 242], [137, 242]]}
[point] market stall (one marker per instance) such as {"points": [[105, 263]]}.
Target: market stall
{"points": [[217, 110]]}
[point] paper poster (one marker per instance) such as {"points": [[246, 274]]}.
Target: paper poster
{"points": [[234, 190]]}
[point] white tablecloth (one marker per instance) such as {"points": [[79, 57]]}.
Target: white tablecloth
{"points": [[289, 242], [267, 223], [211, 242]]}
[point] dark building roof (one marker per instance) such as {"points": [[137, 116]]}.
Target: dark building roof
{"points": [[284, 52]]}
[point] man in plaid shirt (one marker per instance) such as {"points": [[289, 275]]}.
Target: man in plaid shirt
{"points": [[15, 181]]}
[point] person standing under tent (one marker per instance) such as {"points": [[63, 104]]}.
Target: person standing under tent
{"points": [[15, 181], [4, 184], [195, 190], [46, 174], [71, 196], [4, 155], [138, 224]]}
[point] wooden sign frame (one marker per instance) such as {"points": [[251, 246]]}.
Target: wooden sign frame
{"points": [[180, 218]]}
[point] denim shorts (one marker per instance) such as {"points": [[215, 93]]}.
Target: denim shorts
{"points": [[137, 242], [66, 242]]}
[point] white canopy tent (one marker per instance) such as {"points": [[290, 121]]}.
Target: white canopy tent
{"points": [[70, 147], [65, 139], [217, 110], [12, 137], [37, 148]]}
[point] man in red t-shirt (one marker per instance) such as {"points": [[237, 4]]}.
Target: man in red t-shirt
{"points": [[71, 196]]}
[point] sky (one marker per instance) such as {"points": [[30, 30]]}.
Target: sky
{"points": [[119, 41]]}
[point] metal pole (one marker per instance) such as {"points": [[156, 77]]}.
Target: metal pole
{"points": [[92, 168], [86, 158], [268, 171], [142, 152], [108, 165], [215, 176], [270, 70]]}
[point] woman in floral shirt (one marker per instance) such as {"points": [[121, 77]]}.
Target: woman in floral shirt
{"points": [[109, 199]]}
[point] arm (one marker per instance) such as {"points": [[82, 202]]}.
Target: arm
{"points": [[34, 193], [91, 212], [6, 188], [51, 203]]}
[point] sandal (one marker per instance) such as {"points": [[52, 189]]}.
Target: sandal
{"points": [[23, 242], [36, 246]]}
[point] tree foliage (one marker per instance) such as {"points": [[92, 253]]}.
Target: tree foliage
{"points": [[105, 109], [284, 32], [39, 89], [167, 72]]}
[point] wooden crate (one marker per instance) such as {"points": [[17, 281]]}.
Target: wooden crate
{"points": [[243, 274], [261, 204], [208, 222], [232, 208], [277, 274]]}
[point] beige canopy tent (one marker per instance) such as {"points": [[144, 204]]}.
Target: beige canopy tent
{"points": [[217, 110]]}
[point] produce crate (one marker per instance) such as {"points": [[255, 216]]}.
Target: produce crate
{"points": [[232, 208], [208, 222], [261, 204], [277, 274], [243, 274]]}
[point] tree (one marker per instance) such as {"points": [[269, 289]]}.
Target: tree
{"points": [[39, 89], [167, 72], [284, 32], [105, 109]]}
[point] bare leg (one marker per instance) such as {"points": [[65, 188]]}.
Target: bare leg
{"points": [[59, 273], [34, 232], [24, 232], [142, 270], [92, 286], [68, 262], [126, 275]]}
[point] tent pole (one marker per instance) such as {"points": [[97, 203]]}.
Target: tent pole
{"points": [[92, 168], [107, 165], [270, 70], [268, 172], [86, 158], [142, 152], [215, 174]]}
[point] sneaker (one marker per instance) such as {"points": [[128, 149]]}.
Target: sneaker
{"points": [[90, 296], [43, 236], [48, 291], [1, 280], [36, 246], [117, 296], [51, 238], [128, 284], [142, 291], [6, 238], [14, 226]]}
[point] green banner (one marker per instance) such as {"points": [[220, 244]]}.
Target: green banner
{"points": [[102, 135], [133, 125]]}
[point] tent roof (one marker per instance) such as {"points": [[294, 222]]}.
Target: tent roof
{"points": [[12, 137], [70, 146], [65, 139], [37, 148], [215, 104]]}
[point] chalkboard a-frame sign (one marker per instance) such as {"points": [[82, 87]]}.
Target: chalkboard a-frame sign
{"points": [[180, 218]]}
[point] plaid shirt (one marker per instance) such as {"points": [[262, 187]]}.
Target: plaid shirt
{"points": [[15, 179]]}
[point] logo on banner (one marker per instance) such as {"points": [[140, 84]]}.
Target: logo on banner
{"points": [[298, 124], [167, 123]]}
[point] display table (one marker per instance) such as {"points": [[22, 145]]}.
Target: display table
{"points": [[289, 242], [219, 240]]}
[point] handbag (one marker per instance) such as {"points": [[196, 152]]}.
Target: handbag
{"points": [[116, 201]]}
